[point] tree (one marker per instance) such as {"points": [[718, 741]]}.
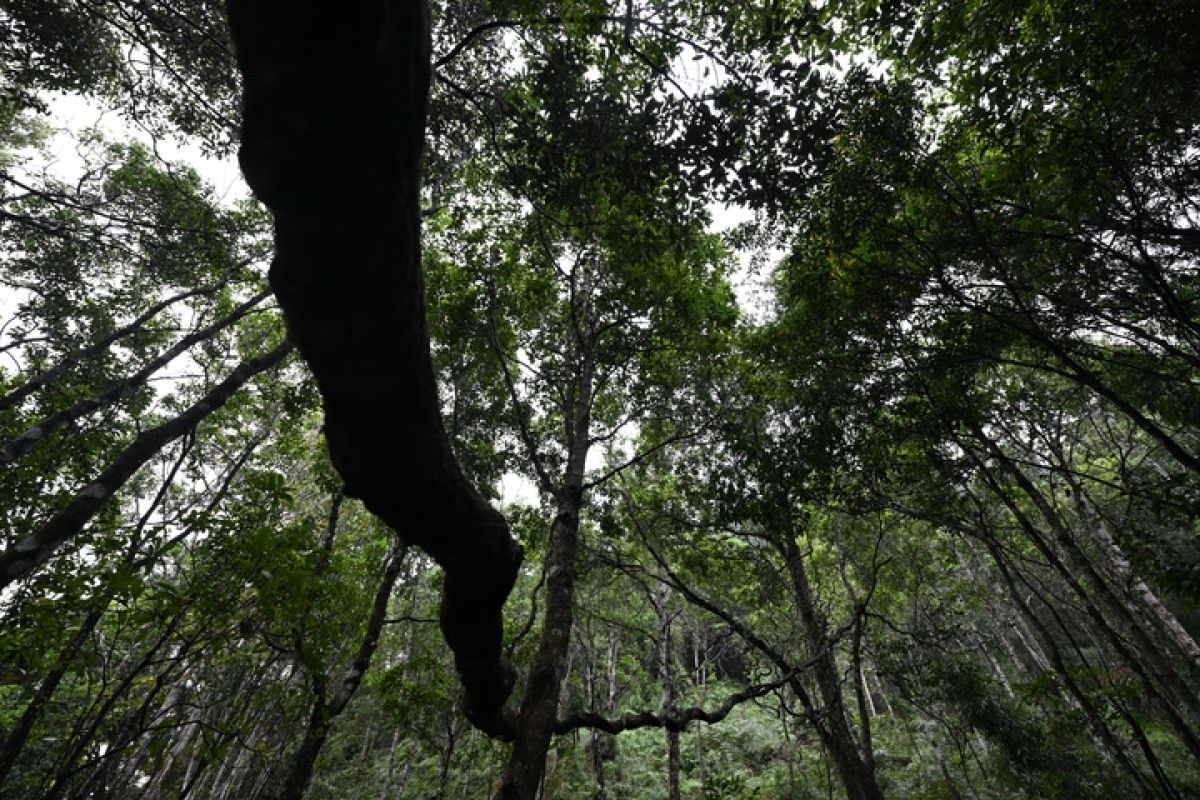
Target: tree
{"points": [[923, 524]]}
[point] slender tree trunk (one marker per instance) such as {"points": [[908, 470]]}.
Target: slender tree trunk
{"points": [[14, 742], [1094, 716], [887, 705], [701, 755], [391, 765], [526, 764], [183, 741], [325, 710], [1121, 569], [1157, 675], [91, 351], [66, 767], [539, 707], [595, 737], [20, 559], [663, 611], [611, 743], [854, 766], [30, 438], [446, 755]]}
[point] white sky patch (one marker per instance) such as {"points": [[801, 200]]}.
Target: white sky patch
{"points": [[751, 279], [71, 113]]}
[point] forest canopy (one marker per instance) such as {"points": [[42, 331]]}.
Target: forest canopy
{"points": [[643, 399]]}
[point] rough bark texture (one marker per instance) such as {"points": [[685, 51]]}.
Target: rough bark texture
{"points": [[333, 129], [539, 706]]}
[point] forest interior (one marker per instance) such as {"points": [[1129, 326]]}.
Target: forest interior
{"points": [[643, 399]]}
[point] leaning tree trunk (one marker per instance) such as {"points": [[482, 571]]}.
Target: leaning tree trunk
{"points": [[334, 104], [854, 766], [324, 709], [38, 433], [20, 559]]}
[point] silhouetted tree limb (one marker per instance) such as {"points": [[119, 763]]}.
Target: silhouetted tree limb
{"points": [[334, 108]]}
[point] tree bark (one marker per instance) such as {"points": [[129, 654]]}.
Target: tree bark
{"points": [[30, 386], [333, 130], [38, 433], [325, 710], [20, 559], [539, 706], [854, 766], [1121, 569], [17, 736], [1095, 717], [674, 762]]}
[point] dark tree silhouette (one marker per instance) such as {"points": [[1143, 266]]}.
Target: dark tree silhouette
{"points": [[332, 136]]}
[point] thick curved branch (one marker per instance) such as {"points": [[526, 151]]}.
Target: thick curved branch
{"points": [[333, 131]]}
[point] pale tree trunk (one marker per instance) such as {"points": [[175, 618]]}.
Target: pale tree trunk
{"points": [[866, 691], [611, 751], [662, 610], [1141, 654], [979, 644], [391, 765], [1095, 717], [701, 758], [596, 743], [182, 742], [887, 705], [1121, 569]]}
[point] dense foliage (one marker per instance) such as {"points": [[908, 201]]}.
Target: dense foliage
{"points": [[888, 489]]}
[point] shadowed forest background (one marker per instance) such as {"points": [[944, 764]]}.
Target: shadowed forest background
{"points": [[835, 364]]}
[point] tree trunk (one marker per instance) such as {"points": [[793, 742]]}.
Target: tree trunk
{"points": [[325, 711], [30, 386], [1121, 569], [663, 612], [38, 433], [854, 767], [1096, 721], [17, 736], [25, 555], [1156, 674], [334, 109], [539, 706], [391, 765]]}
